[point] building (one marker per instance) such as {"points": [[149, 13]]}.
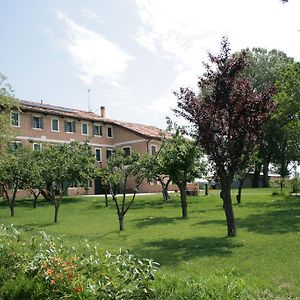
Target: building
{"points": [[37, 124]]}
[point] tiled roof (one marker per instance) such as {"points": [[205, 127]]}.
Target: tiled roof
{"points": [[144, 130]]}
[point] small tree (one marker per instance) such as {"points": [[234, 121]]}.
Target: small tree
{"points": [[7, 104], [181, 160], [64, 165], [14, 173], [155, 170], [124, 168], [227, 117]]}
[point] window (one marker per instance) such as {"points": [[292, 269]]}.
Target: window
{"points": [[37, 122], [36, 146], [127, 151], [98, 155], [153, 149], [109, 132], [54, 124], [15, 119], [109, 153], [13, 146], [70, 126], [97, 130], [84, 129]]}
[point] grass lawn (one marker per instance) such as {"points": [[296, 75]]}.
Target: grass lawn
{"points": [[266, 252]]}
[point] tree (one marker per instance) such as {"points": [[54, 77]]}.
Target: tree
{"points": [[227, 117], [64, 165], [7, 104], [124, 168], [15, 170], [156, 170], [181, 160], [264, 69]]}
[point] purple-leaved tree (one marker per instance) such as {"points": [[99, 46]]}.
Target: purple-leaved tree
{"points": [[227, 117]]}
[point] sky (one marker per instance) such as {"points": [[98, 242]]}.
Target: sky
{"points": [[130, 54]]}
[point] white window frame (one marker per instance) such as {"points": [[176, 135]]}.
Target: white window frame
{"points": [[19, 120], [112, 132], [87, 124], [57, 124], [150, 149], [112, 152], [101, 131], [36, 116], [73, 122], [100, 154], [40, 144]]}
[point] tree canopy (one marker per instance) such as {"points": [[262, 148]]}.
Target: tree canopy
{"points": [[227, 116]]}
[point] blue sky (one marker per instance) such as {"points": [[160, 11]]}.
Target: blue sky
{"points": [[132, 54]]}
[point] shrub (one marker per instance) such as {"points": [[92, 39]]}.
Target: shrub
{"points": [[47, 269]]}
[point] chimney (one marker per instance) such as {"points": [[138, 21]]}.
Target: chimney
{"points": [[42, 102], [102, 111]]}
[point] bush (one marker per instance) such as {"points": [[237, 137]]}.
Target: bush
{"points": [[46, 268], [295, 184]]}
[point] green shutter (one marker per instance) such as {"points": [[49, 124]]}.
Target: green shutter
{"points": [[66, 125], [94, 129], [100, 130], [42, 122], [32, 121], [74, 126]]}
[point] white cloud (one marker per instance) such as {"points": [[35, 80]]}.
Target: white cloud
{"points": [[95, 57], [185, 30], [91, 15]]}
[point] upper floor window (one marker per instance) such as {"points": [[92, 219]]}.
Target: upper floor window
{"points": [[98, 155], [97, 130], [84, 129], [54, 124], [37, 122], [70, 126], [127, 151], [109, 131], [153, 149], [15, 119]]}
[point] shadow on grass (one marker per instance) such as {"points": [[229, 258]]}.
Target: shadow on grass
{"points": [[149, 221], [175, 251], [34, 227]]}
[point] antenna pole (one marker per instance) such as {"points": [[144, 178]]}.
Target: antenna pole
{"points": [[89, 108]]}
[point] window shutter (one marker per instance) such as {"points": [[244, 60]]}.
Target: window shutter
{"points": [[66, 125], [42, 122], [94, 129], [32, 121], [100, 129], [74, 126]]}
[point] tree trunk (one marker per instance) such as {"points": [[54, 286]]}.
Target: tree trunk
{"points": [[12, 210], [165, 194], [182, 188], [56, 207], [226, 196], [255, 180], [35, 200], [266, 173], [121, 222], [106, 199]]}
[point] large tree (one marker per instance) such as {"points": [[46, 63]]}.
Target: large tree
{"points": [[267, 68], [227, 117]]}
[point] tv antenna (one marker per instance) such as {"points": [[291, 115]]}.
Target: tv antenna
{"points": [[89, 108]]}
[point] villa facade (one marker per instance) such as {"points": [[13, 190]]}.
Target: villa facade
{"points": [[37, 124]]}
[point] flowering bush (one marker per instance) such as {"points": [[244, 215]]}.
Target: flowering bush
{"points": [[47, 269]]}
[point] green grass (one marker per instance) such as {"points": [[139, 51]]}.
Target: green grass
{"points": [[266, 252]]}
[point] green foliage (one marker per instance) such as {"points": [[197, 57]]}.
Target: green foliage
{"points": [[222, 285], [7, 104], [295, 184], [48, 269]]}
